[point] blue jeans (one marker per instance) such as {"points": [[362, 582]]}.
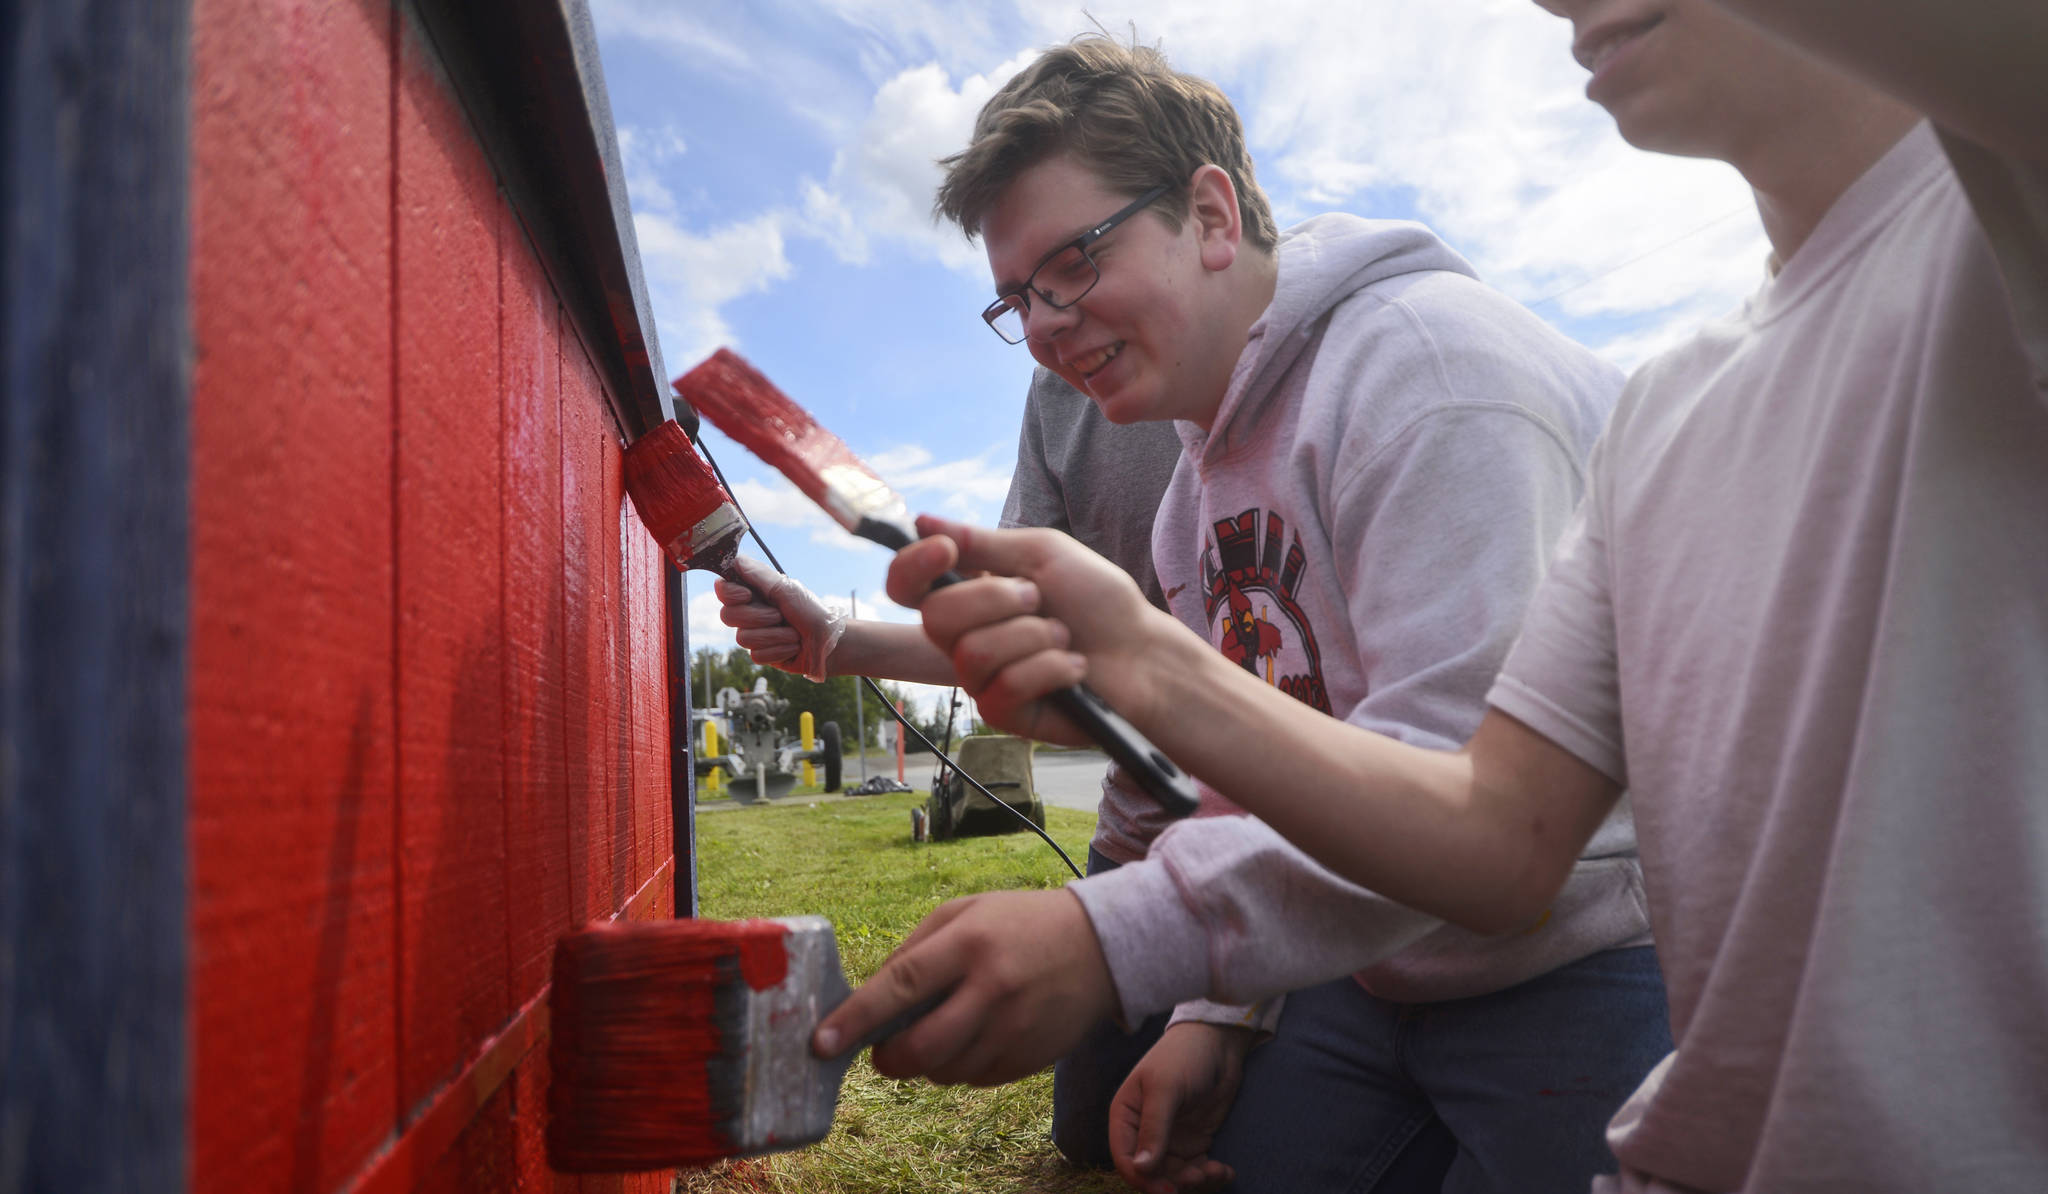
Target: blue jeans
{"points": [[1086, 1079], [1510, 1091]]}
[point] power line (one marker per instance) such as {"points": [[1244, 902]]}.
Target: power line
{"points": [[1582, 283]]}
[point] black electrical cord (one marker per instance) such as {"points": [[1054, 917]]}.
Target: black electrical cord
{"points": [[884, 698], [957, 770]]}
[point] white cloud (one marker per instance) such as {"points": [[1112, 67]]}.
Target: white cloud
{"points": [[946, 29], [1470, 109], [971, 490], [690, 276], [1475, 109], [705, 628], [885, 178], [645, 153]]}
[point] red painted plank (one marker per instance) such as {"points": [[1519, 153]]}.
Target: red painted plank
{"points": [[650, 703], [661, 687], [481, 1161], [529, 1093], [587, 531], [618, 610], [635, 606], [537, 820], [291, 723], [505, 1077], [453, 989], [463, 1137]]}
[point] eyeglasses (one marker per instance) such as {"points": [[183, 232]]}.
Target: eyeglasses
{"points": [[1062, 277]]}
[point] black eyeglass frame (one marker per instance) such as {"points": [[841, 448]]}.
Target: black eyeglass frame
{"points": [[1002, 306]]}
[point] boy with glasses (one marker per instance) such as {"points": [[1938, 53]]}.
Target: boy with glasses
{"points": [[1378, 451], [1800, 615]]}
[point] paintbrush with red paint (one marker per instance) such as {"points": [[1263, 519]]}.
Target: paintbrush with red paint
{"points": [[681, 502], [748, 407], [684, 1042]]}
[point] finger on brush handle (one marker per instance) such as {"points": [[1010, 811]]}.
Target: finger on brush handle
{"points": [[896, 1023]]}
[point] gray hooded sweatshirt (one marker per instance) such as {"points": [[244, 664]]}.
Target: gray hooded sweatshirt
{"points": [[1362, 526]]}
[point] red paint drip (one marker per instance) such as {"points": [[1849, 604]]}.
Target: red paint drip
{"points": [[764, 961]]}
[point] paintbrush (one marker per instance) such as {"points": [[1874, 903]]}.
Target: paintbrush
{"points": [[749, 408], [681, 502], [680, 1043]]}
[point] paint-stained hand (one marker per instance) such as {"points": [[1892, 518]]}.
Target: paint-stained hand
{"points": [[1170, 1107], [1051, 614], [1027, 981], [778, 621]]}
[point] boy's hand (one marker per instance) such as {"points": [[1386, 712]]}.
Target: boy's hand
{"points": [[1027, 977], [1171, 1105], [1052, 614], [778, 621]]}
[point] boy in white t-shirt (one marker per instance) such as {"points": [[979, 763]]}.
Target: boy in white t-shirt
{"points": [[1802, 615]]}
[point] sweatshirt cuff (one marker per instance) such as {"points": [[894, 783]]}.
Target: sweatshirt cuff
{"points": [[1262, 1017], [1155, 948]]}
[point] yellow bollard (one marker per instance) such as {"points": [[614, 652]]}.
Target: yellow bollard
{"points": [[715, 781], [810, 773]]}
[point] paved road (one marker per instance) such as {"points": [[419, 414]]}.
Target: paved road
{"points": [[1064, 779]]}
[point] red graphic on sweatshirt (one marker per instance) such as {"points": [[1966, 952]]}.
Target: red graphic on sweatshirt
{"points": [[1247, 637], [1250, 580]]}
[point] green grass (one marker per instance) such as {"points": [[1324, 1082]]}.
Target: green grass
{"points": [[853, 861]]}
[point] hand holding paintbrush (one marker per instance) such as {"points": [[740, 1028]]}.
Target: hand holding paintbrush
{"points": [[746, 406], [684, 1042]]}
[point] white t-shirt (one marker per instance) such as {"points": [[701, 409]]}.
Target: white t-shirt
{"points": [[1803, 616]]}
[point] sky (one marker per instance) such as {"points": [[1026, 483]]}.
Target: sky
{"points": [[780, 157]]}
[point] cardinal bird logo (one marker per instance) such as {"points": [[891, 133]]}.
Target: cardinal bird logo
{"points": [[1250, 574]]}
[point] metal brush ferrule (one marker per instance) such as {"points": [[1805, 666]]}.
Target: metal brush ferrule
{"points": [[724, 523], [792, 1094]]}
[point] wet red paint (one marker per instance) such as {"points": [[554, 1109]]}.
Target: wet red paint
{"points": [[290, 827], [671, 487], [636, 1024], [388, 830], [748, 407], [763, 960]]}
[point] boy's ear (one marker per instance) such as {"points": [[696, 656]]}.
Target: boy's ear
{"points": [[1212, 206]]}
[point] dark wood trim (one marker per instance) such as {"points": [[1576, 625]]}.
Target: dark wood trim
{"points": [[682, 780], [95, 344]]}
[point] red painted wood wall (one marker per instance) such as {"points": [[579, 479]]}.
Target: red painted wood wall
{"points": [[428, 717]]}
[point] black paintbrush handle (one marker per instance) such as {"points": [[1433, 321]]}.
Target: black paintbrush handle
{"points": [[900, 1022], [1142, 761]]}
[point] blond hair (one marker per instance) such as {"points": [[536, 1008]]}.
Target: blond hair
{"points": [[1122, 112]]}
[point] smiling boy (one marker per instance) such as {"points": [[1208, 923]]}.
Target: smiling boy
{"points": [[1377, 451], [1800, 615]]}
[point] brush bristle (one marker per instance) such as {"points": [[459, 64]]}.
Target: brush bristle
{"points": [[648, 1057], [681, 502], [671, 486], [748, 407]]}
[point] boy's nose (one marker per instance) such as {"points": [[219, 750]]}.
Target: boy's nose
{"points": [[1043, 321]]}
